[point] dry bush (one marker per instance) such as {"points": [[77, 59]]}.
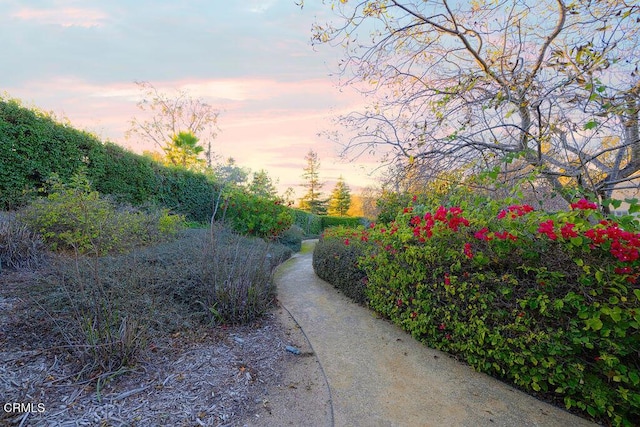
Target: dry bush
{"points": [[107, 308], [20, 248]]}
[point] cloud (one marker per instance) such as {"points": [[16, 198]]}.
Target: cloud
{"points": [[260, 6], [64, 17]]}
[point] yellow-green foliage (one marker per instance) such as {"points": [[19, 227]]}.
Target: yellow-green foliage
{"points": [[75, 217]]}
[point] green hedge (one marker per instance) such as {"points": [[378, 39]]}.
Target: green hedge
{"points": [[335, 259], [33, 146], [336, 221], [311, 224]]}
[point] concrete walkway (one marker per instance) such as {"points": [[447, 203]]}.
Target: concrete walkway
{"points": [[379, 376]]}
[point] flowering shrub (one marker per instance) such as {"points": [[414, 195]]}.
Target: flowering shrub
{"points": [[550, 302], [335, 259]]}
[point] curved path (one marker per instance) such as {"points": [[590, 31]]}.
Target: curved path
{"points": [[379, 376]]}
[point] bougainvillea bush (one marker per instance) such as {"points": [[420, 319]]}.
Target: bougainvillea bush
{"points": [[335, 259], [549, 302]]}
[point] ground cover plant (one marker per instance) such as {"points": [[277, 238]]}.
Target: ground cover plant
{"points": [[548, 302]]}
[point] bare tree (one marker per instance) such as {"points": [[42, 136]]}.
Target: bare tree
{"points": [[172, 115], [546, 85]]}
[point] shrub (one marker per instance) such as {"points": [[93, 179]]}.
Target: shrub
{"points": [[20, 248], [548, 302], [310, 223], [335, 259], [256, 216], [75, 217], [292, 238], [335, 221], [107, 308]]}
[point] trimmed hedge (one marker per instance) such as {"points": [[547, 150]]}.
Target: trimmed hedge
{"points": [[34, 146], [310, 223], [335, 260], [337, 221], [292, 238]]}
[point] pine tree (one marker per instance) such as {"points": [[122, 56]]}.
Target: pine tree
{"points": [[262, 185], [312, 201], [340, 199]]}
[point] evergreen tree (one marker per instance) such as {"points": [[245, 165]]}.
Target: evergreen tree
{"points": [[340, 199], [262, 185], [312, 201], [230, 173]]}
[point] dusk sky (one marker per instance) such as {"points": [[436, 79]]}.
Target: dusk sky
{"points": [[251, 59]]}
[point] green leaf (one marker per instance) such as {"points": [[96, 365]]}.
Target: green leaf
{"points": [[634, 208], [592, 124], [593, 323], [637, 293]]}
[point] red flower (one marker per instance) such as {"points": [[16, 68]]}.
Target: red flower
{"points": [[596, 235], [467, 250], [584, 204], [442, 326], [414, 314], [623, 270], [447, 280], [482, 234], [414, 198], [567, 231], [399, 303], [515, 211], [441, 214], [504, 235], [346, 242], [456, 221], [547, 228]]}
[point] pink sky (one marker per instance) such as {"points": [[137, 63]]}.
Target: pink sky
{"points": [[250, 59]]}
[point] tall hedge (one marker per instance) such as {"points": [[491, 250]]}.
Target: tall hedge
{"points": [[33, 145], [310, 223]]}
